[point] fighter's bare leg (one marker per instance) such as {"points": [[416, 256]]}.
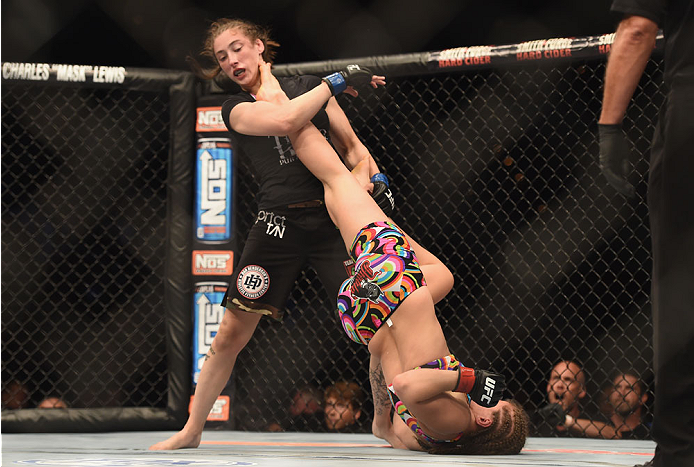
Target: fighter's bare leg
{"points": [[384, 367], [234, 332], [350, 206], [382, 425], [439, 278], [437, 275]]}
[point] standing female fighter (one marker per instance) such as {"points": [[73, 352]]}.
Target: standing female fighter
{"points": [[289, 195], [387, 305]]}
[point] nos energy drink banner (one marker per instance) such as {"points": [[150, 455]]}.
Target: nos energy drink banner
{"points": [[213, 188], [208, 316]]}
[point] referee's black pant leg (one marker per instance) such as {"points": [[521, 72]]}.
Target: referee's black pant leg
{"points": [[671, 211]]}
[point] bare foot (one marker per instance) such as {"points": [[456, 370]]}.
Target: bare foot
{"points": [[386, 433], [178, 441], [378, 431]]}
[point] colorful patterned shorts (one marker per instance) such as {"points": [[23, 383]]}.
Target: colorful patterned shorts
{"points": [[386, 271]]}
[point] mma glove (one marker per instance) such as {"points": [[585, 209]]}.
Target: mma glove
{"points": [[614, 158], [483, 387], [382, 195], [353, 75]]}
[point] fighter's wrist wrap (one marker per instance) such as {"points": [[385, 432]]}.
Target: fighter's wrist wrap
{"points": [[466, 380], [382, 194], [336, 82], [380, 177], [353, 75]]}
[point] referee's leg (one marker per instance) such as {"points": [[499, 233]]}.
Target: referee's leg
{"points": [[671, 210]]}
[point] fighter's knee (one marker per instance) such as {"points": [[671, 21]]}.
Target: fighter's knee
{"points": [[440, 281], [224, 341], [233, 334], [447, 279], [402, 384]]}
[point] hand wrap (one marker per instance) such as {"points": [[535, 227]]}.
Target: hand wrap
{"points": [[353, 75], [382, 194]]}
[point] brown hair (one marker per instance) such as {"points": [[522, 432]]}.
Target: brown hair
{"points": [[251, 30], [506, 435], [346, 392]]}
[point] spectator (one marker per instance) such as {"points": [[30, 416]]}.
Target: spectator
{"points": [[305, 412], [565, 389], [343, 403], [604, 405], [626, 398], [274, 427], [15, 395], [52, 403]]}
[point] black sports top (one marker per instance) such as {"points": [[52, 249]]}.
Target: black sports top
{"points": [[283, 179]]}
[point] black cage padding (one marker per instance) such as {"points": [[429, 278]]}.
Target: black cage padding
{"points": [[116, 158]]}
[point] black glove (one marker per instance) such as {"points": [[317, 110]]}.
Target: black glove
{"points": [[614, 158], [547, 419], [382, 194], [488, 388], [353, 75], [552, 414]]}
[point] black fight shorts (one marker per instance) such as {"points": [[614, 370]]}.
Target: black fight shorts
{"points": [[279, 245]]}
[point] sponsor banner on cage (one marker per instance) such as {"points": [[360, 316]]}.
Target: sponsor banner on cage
{"points": [[213, 190], [561, 48], [544, 49], [605, 43], [64, 73], [213, 262], [464, 57], [208, 313], [210, 119], [220, 409]]}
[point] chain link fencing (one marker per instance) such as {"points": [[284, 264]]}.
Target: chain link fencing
{"points": [[493, 170], [83, 220], [85, 239]]}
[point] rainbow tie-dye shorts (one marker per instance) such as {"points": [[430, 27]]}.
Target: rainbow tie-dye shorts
{"points": [[386, 271]]}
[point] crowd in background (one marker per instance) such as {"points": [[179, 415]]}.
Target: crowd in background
{"points": [[619, 409]]}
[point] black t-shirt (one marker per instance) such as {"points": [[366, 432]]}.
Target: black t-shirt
{"points": [[676, 18], [283, 179]]}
